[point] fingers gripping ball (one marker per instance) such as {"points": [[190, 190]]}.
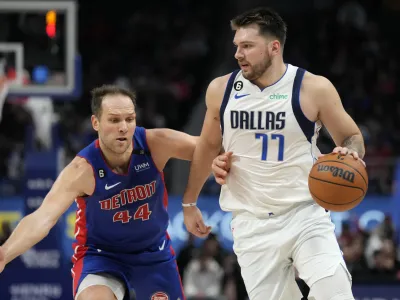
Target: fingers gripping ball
{"points": [[337, 182]]}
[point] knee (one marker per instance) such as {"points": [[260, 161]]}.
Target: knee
{"points": [[335, 287], [97, 292]]}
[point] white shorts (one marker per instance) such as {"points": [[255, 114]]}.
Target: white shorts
{"points": [[116, 285], [269, 249]]}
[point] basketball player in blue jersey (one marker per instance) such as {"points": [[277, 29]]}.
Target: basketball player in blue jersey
{"points": [[121, 221], [267, 116]]}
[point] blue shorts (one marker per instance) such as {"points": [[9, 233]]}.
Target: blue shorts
{"points": [[147, 273]]}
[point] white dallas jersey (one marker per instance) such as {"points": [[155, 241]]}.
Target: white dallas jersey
{"points": [[273, 145]]}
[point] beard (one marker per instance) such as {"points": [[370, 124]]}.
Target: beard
{"points": [[115, 148], [256, 71]]}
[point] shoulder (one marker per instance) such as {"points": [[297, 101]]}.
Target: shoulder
{"points": [[216, 90], [80, 164], [219, 82], [80, 171], [319, 89], [156, 133], [77, 176], [316, 84]]}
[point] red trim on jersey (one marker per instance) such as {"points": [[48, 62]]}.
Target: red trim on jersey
{"points": [[177, 270], [81, 238], [80, 223], [176, 264], [165, 197], [97, 145], [77, 273], [180, 281]]}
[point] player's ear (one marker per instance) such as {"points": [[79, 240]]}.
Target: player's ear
{"points": [[95, 122], [275, 47]]}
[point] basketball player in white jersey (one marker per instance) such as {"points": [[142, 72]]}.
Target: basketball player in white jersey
{"points": [[267, 114]]}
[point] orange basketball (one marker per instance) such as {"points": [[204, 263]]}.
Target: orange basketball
{"points": [[338, 182]]}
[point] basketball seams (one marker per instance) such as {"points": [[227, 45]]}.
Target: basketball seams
{"points": [[341, 199], [340, 162], [349, 186]]}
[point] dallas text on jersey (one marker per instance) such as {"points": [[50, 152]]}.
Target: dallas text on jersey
{"points": [[256, 120]]}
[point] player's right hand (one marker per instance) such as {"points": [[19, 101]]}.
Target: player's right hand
{"points": [[221, 166], [2, 260], [194, 223]]}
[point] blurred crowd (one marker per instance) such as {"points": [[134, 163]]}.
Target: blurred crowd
{"points": [[371, 256], [354, 47], [163, 50], [167, 54], [212, 273]]}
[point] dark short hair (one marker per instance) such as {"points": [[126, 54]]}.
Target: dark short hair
{"points": [[269, 22], [98, 93]]}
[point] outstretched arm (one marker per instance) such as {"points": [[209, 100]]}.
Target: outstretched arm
{"points": [[75, 180]]}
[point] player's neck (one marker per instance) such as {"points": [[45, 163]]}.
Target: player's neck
{"points": [[119, 163], [273, 74]]}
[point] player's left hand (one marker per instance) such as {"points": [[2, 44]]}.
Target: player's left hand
{"points": [[346, 151], [194, 223], [221, 166]]}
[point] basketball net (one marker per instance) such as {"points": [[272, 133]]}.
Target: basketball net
{"points": [[3, 87]]}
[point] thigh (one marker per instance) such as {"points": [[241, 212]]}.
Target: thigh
{"points": [[276, 281], [317, 254], [100, 287], [160, 281], [91, 270], [263, 251]]}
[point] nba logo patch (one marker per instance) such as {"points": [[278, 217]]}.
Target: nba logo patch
{"points": [[159, 296], [238, 85]]}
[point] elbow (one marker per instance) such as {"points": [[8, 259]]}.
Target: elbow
{"points": [[211, 146]]}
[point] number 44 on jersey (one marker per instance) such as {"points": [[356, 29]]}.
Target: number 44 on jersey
{"points": [[142, 213]]}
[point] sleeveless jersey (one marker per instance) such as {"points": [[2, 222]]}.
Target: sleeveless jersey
{"points": [[273, 145], [126, 213]]}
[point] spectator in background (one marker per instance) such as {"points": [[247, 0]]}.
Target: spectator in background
{"points": [[187, 253], [15, 120], [203, 276], [386, 265], [346, 236], [375, 242]]}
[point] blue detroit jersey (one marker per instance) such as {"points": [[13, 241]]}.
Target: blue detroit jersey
{"points": [[126, 213], [121, 229]]}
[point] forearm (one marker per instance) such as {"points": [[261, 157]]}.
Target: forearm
{"points": [[30, 230], [355, 143], [200, 169]]}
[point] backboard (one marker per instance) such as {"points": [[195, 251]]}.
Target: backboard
{"points": [[38, 48]]}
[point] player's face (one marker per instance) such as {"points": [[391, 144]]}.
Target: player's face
{"points": [[252, 51], [117, 123]]}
